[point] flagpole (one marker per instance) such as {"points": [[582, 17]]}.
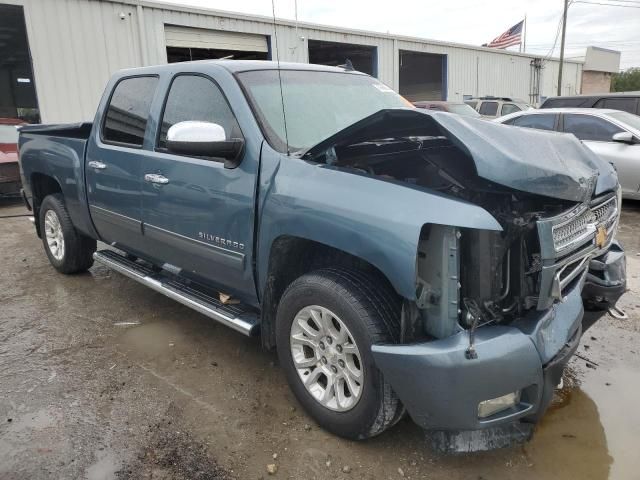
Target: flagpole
{"points": [[524, 44]]}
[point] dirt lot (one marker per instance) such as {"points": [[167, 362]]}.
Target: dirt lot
{"points": [[102, 378]]}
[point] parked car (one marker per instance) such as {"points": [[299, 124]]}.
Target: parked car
{"points": [[612, 134], [459, 108], [9, 171], [397, 258], [492, 107], [627, 102]]}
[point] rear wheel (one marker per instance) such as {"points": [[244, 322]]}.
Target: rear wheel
{"points": [[68, 250], [327, 321]]}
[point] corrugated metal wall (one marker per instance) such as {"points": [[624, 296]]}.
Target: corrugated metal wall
{"points": [[77, 44]]}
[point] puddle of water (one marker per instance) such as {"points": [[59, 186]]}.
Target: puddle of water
{"points": [[155, 339], [618, 409], [571, 438], [592, 429], [105, 467]]}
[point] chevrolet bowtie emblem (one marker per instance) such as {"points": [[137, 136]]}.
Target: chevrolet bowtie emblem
{"points": [[601, 237]]}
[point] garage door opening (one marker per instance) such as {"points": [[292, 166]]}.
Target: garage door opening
{"points": [[362, 57], [17, 88], [422, 76], [186, 44]]}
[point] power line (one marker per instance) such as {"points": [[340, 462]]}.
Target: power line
{"points": [[606, 4], [599, 42], [626, 1]]}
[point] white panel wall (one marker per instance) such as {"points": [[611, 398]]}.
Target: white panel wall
{"points": [[77, 44]]}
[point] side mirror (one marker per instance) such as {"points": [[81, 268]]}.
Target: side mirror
{"points": [[204, 139], [623, 137]]}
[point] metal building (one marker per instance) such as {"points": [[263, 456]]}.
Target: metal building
{"points": [[56, 55]]}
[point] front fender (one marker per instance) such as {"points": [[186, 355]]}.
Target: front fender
{"points": [[376, 220]]}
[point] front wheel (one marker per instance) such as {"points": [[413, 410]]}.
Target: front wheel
{"points": [[326, 324], [68, 250]]}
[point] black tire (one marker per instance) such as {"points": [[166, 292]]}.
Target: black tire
{"points": [[78, 248], [371, 311]]}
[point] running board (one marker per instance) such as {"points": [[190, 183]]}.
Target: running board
{"points": [[235, 316]]}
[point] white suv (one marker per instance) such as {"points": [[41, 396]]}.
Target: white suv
{"points": [[493, 107]]}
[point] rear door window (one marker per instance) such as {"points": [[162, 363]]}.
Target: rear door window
{"points": [[488, 108], [588, 127], [508, 108], [629, 104], [128, 111], [539, 121]]}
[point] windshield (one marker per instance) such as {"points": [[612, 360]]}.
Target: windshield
{"points": [[316, 104], [463, 109], [8, 134], [629, 119]]}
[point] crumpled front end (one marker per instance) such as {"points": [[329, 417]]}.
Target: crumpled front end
{"points": [[497, 312], [500, 317]]}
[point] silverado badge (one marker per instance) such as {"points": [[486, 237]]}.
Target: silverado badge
{"points": [[601, 237]]}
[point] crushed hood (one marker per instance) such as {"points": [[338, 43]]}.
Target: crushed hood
{"points": [[539, 162]]}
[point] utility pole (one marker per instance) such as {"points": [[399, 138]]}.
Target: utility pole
{"points": [[564, 31]]}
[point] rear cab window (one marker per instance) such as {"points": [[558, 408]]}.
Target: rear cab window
{"points": [[127, 114]]}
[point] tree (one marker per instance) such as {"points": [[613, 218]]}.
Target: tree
{"points": [[626, 81]]}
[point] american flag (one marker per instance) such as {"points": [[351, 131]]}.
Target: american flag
{"points": [[510, 37]]}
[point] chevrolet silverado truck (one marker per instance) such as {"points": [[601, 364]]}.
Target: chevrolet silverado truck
{"points": [[399, 260]]}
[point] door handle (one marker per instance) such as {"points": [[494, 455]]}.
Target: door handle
{"points": [[156, 178], [97, 165]]}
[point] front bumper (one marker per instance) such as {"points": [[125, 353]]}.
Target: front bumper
{"points": [[607, 278], [441, 388]]}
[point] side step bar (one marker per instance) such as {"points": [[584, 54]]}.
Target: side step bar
{"points": [[234, 316]]}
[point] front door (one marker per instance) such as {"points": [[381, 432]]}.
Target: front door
{"points": [[597, 133], [197, 214], [114, 163]]}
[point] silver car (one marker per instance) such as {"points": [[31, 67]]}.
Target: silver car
{"points": [[612, 134]]}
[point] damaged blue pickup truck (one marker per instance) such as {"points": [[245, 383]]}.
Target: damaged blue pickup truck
{"points": [[399, 260]]}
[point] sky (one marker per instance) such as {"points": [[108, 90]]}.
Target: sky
{"points": [[469, 21]]}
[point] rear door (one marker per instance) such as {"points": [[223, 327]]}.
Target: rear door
{"points": [[200, 218], [596, 133], [114, 162]]}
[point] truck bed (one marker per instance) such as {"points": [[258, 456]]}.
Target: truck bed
{"points": [[70, 130], [57, 152]]}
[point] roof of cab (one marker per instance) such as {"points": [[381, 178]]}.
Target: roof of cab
{"points": [[235, 66]]}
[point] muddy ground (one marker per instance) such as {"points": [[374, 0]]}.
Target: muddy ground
{"points": [[102, 378]]}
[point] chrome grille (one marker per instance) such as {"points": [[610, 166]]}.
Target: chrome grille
{"points": [[574, 230], [606, 211], [607, 214], [577, 229]]}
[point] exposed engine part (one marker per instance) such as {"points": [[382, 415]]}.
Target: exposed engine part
{"points": [[476, 315], [498, 270], [438, 280]]}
